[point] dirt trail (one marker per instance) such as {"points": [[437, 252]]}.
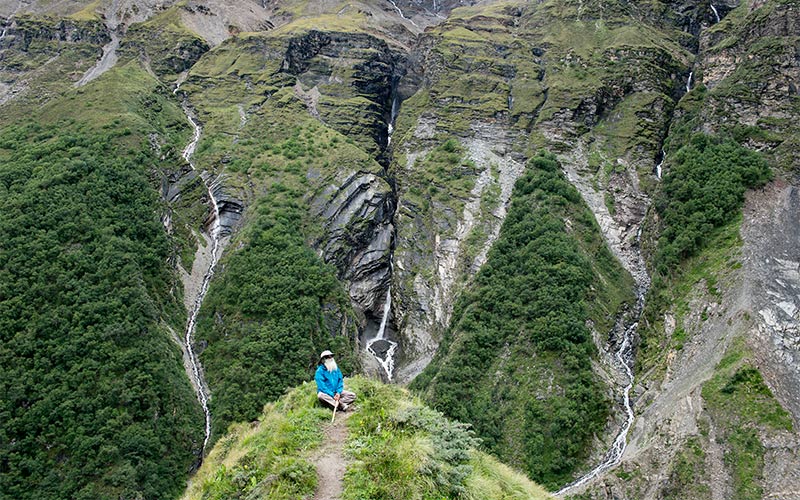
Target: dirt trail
{"points": [[329, 460]]}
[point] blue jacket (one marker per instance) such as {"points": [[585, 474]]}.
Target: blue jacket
{"points": [[330, 383]]}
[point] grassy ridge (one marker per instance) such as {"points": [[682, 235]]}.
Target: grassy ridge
{"points": [[95, 403], [525, 322], [396, 449]]}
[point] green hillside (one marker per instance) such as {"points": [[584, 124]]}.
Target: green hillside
{"points": [[395, 448], [95, 402], [531, 303]]}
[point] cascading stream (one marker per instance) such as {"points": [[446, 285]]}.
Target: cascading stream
{"points": [[392, 118], [401, 13], [624, 359], [214, 235], [382, 348], [716, 14], [689, 82]]}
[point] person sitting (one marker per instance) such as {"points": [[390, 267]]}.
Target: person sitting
{"points": [[330, 383]]}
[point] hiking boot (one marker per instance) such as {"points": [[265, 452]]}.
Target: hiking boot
{"points": [[343, 407]]}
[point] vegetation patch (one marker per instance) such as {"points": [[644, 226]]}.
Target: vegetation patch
{"points": [[686, 479], [743, 409], [523, 322], [96, 404], [703, 190], [699, 211]]}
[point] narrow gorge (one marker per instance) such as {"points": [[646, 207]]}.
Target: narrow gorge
{"points": [[569, 225], [202, 273]]}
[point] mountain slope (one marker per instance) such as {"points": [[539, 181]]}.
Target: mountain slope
{"points": [[395, 448], [372, 169], [95, 402]]}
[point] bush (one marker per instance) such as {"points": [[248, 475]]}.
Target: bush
{"points": [[524, 321], [703, 190]]}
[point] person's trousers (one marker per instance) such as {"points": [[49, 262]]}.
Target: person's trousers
{"points": [[345, 399]]}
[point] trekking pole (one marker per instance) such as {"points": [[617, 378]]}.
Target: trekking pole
{"points": [[334, 411]]}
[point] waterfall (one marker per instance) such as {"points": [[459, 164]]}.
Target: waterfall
{"points": [[214, 235], [716, 14], [401, 13], [9, 22], [660, 164], [624, 359], [382, 348], [689, 82], [387, 309], [392, 118]]}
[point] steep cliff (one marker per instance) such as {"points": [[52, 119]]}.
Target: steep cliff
{"points": [[365, 169]]}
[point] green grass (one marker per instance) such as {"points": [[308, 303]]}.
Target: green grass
{"points": [[396, 449], [268, 459], [743, 409], [737, 390], [686, 479], [44, 67]]}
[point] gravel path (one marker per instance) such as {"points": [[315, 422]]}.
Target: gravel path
{"points": [[330, 461]]}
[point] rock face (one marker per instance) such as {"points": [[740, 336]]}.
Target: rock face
{"points": [[40, 57], [771, 266], [357, 215], [399, 128], [349, 79]]}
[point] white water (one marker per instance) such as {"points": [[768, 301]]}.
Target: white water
{"points": [[10, 20], [401, 13], [392, 118], [388, 361], [216, 249], [624, 359], [716, 14], [658, 167], [689, 82]]}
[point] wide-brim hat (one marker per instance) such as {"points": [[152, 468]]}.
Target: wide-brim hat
{"points": [[325, 354]]}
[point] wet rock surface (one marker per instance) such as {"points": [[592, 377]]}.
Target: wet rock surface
{"points": [[357, 220]]}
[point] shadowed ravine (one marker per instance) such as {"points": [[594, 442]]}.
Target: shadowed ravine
{"points": [[214, 238]]}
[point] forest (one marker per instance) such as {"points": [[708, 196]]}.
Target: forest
{"points": [[95, 403], [530, 302]]}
